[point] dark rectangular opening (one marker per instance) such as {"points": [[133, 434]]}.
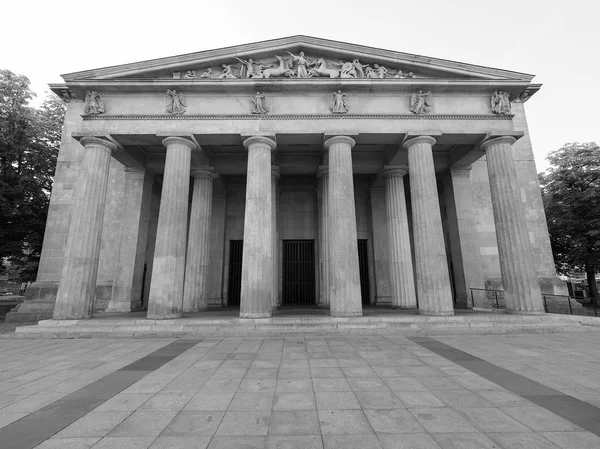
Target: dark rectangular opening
{"points": [[235, 273], [298, 272], [363, 268]]}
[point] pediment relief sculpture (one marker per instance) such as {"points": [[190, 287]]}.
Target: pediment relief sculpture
{"points": [[175, 103], [258, 104], [296, 66], [420, 103], [93, 103], [500, 103], [339, 103]]}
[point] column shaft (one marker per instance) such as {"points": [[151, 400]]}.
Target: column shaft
{"points": [[127, 284], [433, 282], [519, 279], [401, 266], [168, 268], [75, 295], [257, 257], [275, 232], [344, 280], [195, 296], [323, 196]]}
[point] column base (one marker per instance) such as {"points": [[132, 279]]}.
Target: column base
{"points": [[345, 314], [255, 315], [426, 313], [164, 317]]}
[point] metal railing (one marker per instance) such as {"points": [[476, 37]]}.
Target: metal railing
{"points": [[496, 297], [556, 300], [568, 298]]}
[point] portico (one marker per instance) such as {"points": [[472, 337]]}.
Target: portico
{"points": [[340, 193]]}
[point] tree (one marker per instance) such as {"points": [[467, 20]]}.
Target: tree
{"points": [[571, 194], [29, 143]]}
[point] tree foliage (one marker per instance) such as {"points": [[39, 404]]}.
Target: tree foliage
{"points": [[29, 143], [571, 193]]}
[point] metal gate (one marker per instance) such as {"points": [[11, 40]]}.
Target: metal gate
{"points": [[363, 268], [235, 273], [298, 272]]}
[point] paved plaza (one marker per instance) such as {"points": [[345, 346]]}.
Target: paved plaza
{"points": [[538, 391]]}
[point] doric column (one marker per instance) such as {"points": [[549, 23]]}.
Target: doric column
{"points": [[344, 279], [464, 248], [75, 295], [275, 231], [129, 273], [519, 279], [196, 266], [323, 197], [168, 268], [401, 266], [257, 257], [433, 282]]}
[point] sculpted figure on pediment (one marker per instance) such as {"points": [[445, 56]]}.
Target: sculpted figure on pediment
{"points": [[258, 104], [302, 63], [321, 69], [500, 102], [207, 73], [227, 72], [176, 104], [339, 103], [247, 70], [275, 72], [190, 75], [93, 103], [347, 70], [358, 68], [420, 103]]}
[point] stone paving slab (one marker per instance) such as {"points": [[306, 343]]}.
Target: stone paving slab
{"points": [[316, 392]]}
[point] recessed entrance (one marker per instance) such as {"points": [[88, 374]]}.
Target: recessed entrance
{"points": [[298, 272], [363, 268], [234, 288]]}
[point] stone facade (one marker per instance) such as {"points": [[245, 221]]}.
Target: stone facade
{"points": [[244, 176]]}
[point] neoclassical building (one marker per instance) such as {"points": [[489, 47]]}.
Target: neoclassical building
{"points": [[292, 172]]}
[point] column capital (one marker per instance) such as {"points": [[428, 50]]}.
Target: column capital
{"points": [[419, 139], [322, 171], [275, 172], [389, 170], [258, 140], [134, 172], [97, 142], [338, 139], [508, 140], [167, 141], [204, 172]]}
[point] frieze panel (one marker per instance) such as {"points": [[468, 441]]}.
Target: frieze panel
{"points": [[299, 117], [294, 66]]}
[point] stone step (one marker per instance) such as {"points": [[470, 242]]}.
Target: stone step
{"points": [[473, 323]]}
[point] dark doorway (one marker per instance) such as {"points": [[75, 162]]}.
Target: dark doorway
{"points": [[363, 268], [298, 272], [235, 273]]}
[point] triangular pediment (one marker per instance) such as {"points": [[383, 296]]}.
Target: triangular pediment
{"points": [[279, 58]]}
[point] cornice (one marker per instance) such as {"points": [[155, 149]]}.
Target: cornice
{"points": [[104, 117]]}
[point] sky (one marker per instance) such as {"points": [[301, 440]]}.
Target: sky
{"points": [[558, 41]]}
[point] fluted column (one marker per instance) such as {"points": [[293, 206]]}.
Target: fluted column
{"points": [[519, 279], [196, 265], [168, 268], [344, 280], [127, 284], [431, 264], [257, 257], [401, 266], [275, 231], [79, 272], [323, 196]]}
